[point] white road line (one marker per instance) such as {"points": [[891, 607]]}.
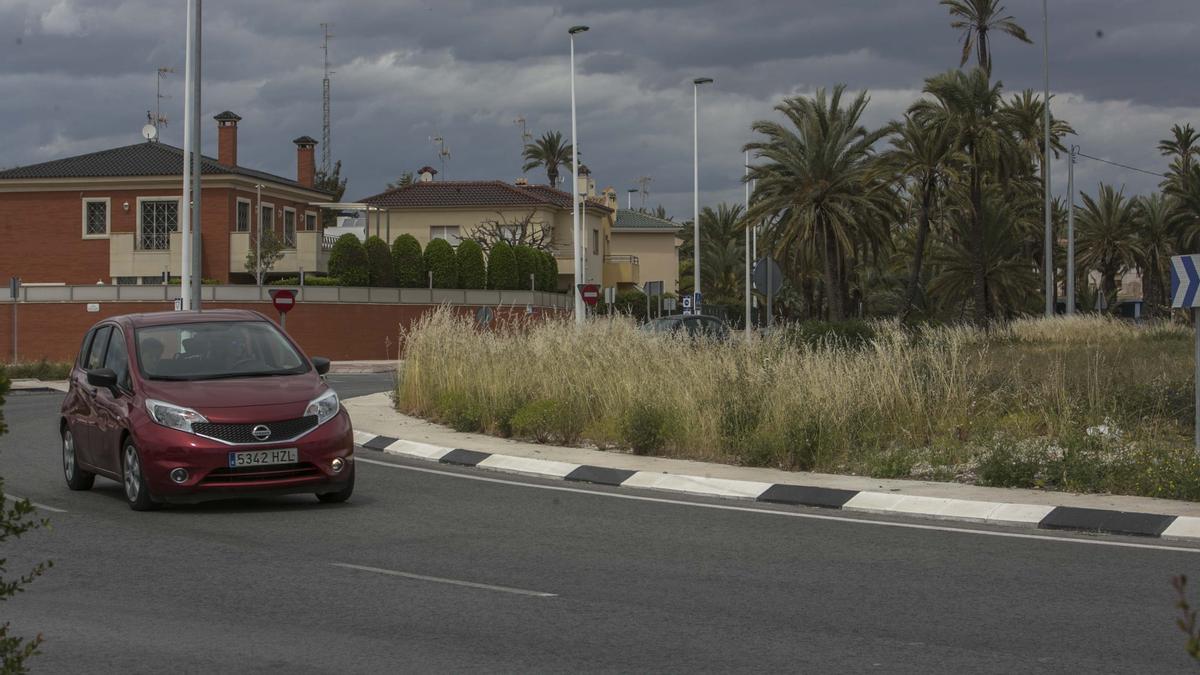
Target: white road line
{"points": [[792, 514], [440, 580], [14, 498]]}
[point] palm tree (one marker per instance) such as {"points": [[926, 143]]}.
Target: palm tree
{"points": [[968, 105], [977, 18], [1158, 223], [1181, 147], [549, 151], [927, 156], [1107, 238], [818, 187]]}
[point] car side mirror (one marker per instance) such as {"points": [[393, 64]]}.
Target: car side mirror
{"points": [[102, 377], [321, 364]]}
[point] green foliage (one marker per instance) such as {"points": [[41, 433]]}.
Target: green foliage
{"points": [[176, 281], [469, 259], [1187, 619], [502, 268], [271, 253], [408, 264], [38, 370], [546, 420], [440, 259], [460, 412], [348, 261], [527, 266], [547, 279], [16, 518], [379, 263], [645, 428], [333, 184], [309, 280], [550, 151]]}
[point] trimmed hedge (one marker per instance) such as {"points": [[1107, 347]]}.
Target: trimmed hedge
{"points": [[527, 264], [408, 265], [547, 272], [471, 271], [379, 263], [309, 280], [439, 259], [502, 267], [348, 261]]}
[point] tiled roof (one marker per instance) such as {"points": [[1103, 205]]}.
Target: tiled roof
{"points": [[636, 220], [465, 193], [139, 159]]}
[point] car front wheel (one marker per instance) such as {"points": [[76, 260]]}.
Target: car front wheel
{"points": [[339, 496], [134, 480], [77, 478]]}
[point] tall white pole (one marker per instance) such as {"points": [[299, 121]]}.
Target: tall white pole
{"points": [[197, 166], [747, 247], [1071, 232], [695, 192], [258, 270], [1048, 261], [189, 142], [576, 232]]}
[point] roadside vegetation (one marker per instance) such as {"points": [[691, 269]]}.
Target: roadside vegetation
{"points": [[1089, 404], [38, 370]]}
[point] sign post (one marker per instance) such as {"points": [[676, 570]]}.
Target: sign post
{"points": [[687, 305], [284, 300], [590, 294], [14, 291], [1185, 284], [768, 279]]}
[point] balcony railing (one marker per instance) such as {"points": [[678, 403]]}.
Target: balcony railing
{"points": [[632, 259], [327, 242]]}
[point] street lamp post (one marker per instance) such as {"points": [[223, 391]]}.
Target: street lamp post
{"points": [[747, 263], [1071, 231], [1048, 261], [696, 185], [258, 273], [575, 234], [629, 198]]}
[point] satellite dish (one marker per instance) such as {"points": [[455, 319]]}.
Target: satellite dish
{"points": [[150, 132]]}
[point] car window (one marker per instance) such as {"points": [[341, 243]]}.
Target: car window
{"points": [[81, 361], [95, 357], [693, 327], [664, 325], [712, 327], [117, 358]]}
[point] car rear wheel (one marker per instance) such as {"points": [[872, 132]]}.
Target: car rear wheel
{"points": [[339, 496], [136, 493], [77, 478]]}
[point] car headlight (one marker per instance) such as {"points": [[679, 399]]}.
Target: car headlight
{"points": [[173, 416], [324, 407]]}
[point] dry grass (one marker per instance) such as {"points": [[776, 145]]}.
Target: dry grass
{"points": [[939, 403]]}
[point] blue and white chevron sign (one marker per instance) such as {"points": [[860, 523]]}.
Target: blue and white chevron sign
{"points": [[1185, 281]]}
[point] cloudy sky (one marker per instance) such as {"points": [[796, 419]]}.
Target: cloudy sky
{"points": [[79, 75]]}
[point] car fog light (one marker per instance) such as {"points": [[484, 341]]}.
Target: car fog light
{"points": [[337, 465], [179, 475]]}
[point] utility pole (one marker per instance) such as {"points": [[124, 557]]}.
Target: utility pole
{"points": [[191, 146], [325, 164], [576, 231], [1048, 257], [1071, 231], [747, 247]]}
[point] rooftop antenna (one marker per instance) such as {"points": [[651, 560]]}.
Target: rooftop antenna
{"points": [[150, 131], [325, 168], [526, 137], [159, 119], [644, 181], [443, 151]]}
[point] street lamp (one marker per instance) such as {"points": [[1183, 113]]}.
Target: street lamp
{"points": [[1071, 231], [258, 247], [1048, 261], [696, 186], [575, 234], [629, 198]]}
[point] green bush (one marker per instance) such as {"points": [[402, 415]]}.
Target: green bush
{"points": [[175, 281], [547, 272], [645, 428], [460, 412], [379, 263], [471, 271], [502, 267], [546, 420], [38, 370], [348, 261], [439, 259], [309, 280], [527, 266], [408, 265]]}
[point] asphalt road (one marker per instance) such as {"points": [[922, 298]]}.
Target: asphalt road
{"points": [[566, 578]]}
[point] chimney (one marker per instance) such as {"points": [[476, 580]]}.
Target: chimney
{"points": [[610, 198], [586, 186], [522, 181], [306, 164], [227, 138], [426, 173]]}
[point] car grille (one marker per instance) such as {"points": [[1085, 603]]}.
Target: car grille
{"points": [[240, 433], [251, 474]]}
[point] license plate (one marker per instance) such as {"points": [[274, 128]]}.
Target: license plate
{"points": [[262, 457]]}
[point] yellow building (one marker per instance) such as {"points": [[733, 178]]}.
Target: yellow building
{"points": [[647, 245]]}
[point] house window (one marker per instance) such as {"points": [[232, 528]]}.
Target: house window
{"points": [[289, 228], [127, 281], [243, 216], [447, 232], [159, 218], [595, 242], [266, 218], [310, 222], [95, 218], [509, 233]]}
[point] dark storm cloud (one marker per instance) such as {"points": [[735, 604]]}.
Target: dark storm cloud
{"points": [[78, 75]]}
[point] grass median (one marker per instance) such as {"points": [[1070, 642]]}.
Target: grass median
{"points": [[1087, 404]]}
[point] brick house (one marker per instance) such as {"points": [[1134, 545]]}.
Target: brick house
{"points": [[113, 216]]}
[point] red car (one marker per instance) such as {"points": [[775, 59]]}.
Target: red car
{"points": [[184, 407]]}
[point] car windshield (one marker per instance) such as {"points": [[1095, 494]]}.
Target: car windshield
{"points": [[663, 325], [216, 350]]}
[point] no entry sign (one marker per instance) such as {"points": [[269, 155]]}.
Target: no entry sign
{"points": [[283, 299], [590, 293]]}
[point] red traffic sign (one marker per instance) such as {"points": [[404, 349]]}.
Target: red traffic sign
{"points": [[283, 299], [590, 293]]}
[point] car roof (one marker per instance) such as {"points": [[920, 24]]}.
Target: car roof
{"points": [[168, 318], [689, 316]]}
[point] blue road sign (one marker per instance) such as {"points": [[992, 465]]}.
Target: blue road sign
{"points": [[1185, 281]]}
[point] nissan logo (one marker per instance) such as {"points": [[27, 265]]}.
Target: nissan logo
{"points": [[262, 432]]}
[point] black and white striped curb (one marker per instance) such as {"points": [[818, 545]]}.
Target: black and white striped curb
{"points": [[993, 513]]}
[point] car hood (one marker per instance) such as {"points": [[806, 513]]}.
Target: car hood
{"points": [[250, 399]]}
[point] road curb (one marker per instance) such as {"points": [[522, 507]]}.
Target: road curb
{"points": [[1040, 516]]}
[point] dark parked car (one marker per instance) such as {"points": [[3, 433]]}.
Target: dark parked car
{"points": [[183, 407], [696, 326]]}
